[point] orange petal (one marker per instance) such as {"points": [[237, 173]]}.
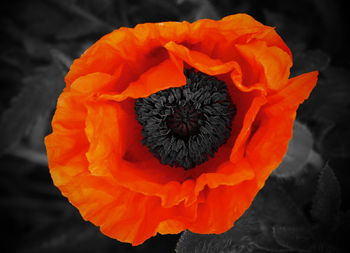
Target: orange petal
{"points": [[232, 200], [113, 207], [269, 144], [103, 133], [92, 83], [271, 65], [101, 57], [245, 129], [274, 125], [161, 33], [296, 91], [243, 24], [122, 47], [171, 227], [167, 74], [67, 145], [199, 60], [228, 174], [66, 155]]}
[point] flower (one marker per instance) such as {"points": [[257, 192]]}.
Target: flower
{"points": [[175, 125]]}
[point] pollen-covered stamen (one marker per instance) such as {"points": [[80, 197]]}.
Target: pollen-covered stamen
{"points": [[185, 126]]}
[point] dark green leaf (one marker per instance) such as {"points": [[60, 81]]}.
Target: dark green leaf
{"points": [[84, 22], [105, 9], [151, 11], [200, 9], [76, 28], [254, 230], [327, 200], [331, 146], [307, 61], [40, 18], [190, 242], [330, 95], [327, 112], [237, 239], [273, 199], [343, 229], [292, 32], [293, 238], [299, 150], [64, 235], [61, 60], [78, 11], [37, 96], [325, 247], [36, 48], [274, 207]]}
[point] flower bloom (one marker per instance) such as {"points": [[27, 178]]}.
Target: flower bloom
{"points": [[175, 125]]}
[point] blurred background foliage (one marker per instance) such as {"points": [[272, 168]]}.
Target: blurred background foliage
{"points": [[304, 206]]}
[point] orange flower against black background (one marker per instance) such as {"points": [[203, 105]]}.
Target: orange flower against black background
{"points": [[173, 126]]}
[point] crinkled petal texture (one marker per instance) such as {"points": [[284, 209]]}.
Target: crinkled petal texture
{"points": [[95, 153]]}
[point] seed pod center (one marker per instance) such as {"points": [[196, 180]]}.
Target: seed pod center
{"points": [[185, 126]]}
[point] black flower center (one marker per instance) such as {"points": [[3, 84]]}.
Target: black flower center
{"points": [[184, 121], [185, 126]]}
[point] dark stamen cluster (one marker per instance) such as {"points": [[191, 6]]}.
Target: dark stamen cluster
{"points": [[183, 126]]}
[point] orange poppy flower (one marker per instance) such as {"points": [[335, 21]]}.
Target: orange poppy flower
{"points": [[175, 125]]}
